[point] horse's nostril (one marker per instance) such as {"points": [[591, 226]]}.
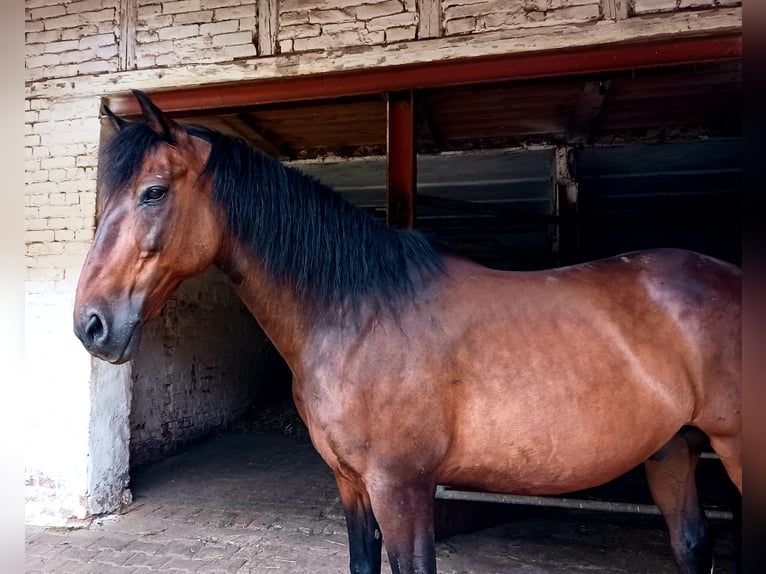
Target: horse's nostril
{"points": [[94, 328]]}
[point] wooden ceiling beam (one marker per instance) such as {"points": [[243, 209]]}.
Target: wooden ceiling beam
{"points": [[239, 125], [379, 80], [428, 134], [587, 110], [266, 139]]}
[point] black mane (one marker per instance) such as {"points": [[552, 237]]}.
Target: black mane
{"points": [[309, 238]]}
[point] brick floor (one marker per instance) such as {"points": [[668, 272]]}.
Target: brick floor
{"points": [[266, 503]]}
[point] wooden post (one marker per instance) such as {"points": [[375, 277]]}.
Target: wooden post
{"points": [[401, 156], [268, 16], [615, 9], [429, 19], [587, 110], [567, 237], [126, 46]]}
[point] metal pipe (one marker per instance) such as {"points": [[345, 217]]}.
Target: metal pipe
{"points": [[446, 493]]}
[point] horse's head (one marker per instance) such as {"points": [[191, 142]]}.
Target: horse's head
{"points": [[158, 226]]}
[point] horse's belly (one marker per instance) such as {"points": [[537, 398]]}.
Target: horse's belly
{"points": [[520, 474], [533, 445], [552, 409]]}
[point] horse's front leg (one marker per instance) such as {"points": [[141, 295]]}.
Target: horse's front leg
{"points": [[364, 537], [405, 513]]}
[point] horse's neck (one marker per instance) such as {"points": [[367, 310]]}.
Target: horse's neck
{"points": [[277, 309], [277, 312]]}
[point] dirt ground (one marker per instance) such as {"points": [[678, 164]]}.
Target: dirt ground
{"points": [[263, 502]]}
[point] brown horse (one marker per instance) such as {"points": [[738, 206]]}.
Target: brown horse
{"points": [[414, 367]]}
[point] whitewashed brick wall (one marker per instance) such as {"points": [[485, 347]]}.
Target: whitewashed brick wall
{"points": [[56, 407], [199, 31], [326, 24], [75, 464], [472, 16], [71, 470], [62, 140], [71, 38], [205, 329], [61, 143]]}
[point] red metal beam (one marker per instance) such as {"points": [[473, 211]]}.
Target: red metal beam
{"points": [[401, 162], [380, 80]]}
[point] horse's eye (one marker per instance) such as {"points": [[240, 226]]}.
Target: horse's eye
{"points": [[153, 194]]}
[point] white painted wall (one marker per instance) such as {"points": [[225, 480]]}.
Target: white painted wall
{"points": [[76, 420]]}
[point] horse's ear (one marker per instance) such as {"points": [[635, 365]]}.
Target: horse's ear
{"points": [[117, 122], [154, 116]]}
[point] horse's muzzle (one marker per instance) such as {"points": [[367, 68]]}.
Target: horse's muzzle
{"points": [[111, 334]]}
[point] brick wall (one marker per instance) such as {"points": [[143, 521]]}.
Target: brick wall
{"points": [[200, 31], [197, 369], [77, 456], [97, 37], [62, 140], [72, 38], [471, 16], [327, 24]]}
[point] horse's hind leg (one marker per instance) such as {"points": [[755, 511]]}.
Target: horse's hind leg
{"points": [[729, 450], [406, 516], [670, 473], [364, 536]]}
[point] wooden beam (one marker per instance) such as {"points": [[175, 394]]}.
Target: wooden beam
{"points": [[429, 18], [588, 108], [401, 160], [566, 243], [268, 26], [382, 79], [272, 141], [245, 127], [126, 47], [615, 9], [428, 135]]}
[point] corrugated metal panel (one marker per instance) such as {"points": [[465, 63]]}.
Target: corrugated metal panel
{"points": [[516, 179], [683, 194]]}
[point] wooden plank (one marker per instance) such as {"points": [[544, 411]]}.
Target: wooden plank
{"points": [[401, 160], [429, 18], [615, 9], [268, 26], [428, 135], [587, 110], [566, 245], [267, 134], [243, 125], [126, 51], [498, 93]]}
